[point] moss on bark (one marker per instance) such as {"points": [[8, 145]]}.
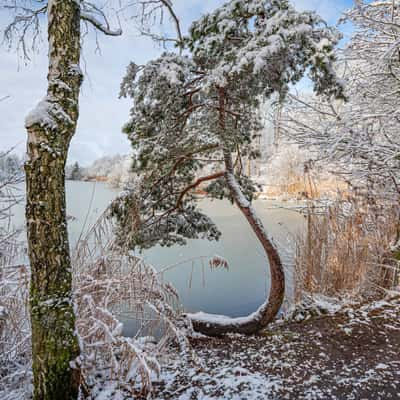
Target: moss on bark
{"points": [[54, 342]]}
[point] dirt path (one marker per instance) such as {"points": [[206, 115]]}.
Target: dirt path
{"points": [[354, 354]]}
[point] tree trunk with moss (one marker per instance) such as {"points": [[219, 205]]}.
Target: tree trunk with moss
{"points": [[50, 129]]}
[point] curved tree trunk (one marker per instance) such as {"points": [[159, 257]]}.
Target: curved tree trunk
{"points": [[50, 128], [215, 325]]}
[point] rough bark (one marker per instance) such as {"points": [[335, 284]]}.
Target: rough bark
{"points": [[209, 325], [50, 129]]}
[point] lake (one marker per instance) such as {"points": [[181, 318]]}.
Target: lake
{"points": [[234, 292]]}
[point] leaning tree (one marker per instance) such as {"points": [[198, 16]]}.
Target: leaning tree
{"points": [[51, 126], [195, 117]]}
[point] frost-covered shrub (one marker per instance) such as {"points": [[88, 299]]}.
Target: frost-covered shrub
{"points": [[116, 170], [15, 343], [121, 173], [15, 347], [108, 284]]}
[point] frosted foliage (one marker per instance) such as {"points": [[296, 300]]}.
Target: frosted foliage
{"points": [[267, 38], [14, 326], [116, 169], [361, 135], [121, 174], [286, 164], [192, 112], [107, 284], [110, 282]]}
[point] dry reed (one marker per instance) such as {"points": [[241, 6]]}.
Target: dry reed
{"points": [[347, 249], [109, 282]]}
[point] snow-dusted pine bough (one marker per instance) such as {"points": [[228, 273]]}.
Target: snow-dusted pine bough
{"points": [[195, 117]]}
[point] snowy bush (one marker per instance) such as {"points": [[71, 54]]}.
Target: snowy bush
{"points": [[107, 284], [14, 277]]}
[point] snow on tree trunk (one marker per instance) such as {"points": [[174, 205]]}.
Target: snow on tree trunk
{"points": [[190, 111], [50, 129], [215, 325]]}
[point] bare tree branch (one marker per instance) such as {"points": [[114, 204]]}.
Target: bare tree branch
{"points": [[90, 13], [25, 27], [168, 5]]}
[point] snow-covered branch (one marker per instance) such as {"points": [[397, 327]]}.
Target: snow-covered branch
{"points": [[359, 136], [95, 16], [25, 28]]}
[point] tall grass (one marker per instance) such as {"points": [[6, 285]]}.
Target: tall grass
{"points": [[347, 249], [108, 282]]}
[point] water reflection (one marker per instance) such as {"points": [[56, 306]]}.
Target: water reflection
{"points": [[234, 292]]}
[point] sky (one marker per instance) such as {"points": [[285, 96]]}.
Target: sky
{"points": [[102, 113]]}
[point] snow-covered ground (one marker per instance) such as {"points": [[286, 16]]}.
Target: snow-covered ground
{"points": [[327, 351], [353, 354]]}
